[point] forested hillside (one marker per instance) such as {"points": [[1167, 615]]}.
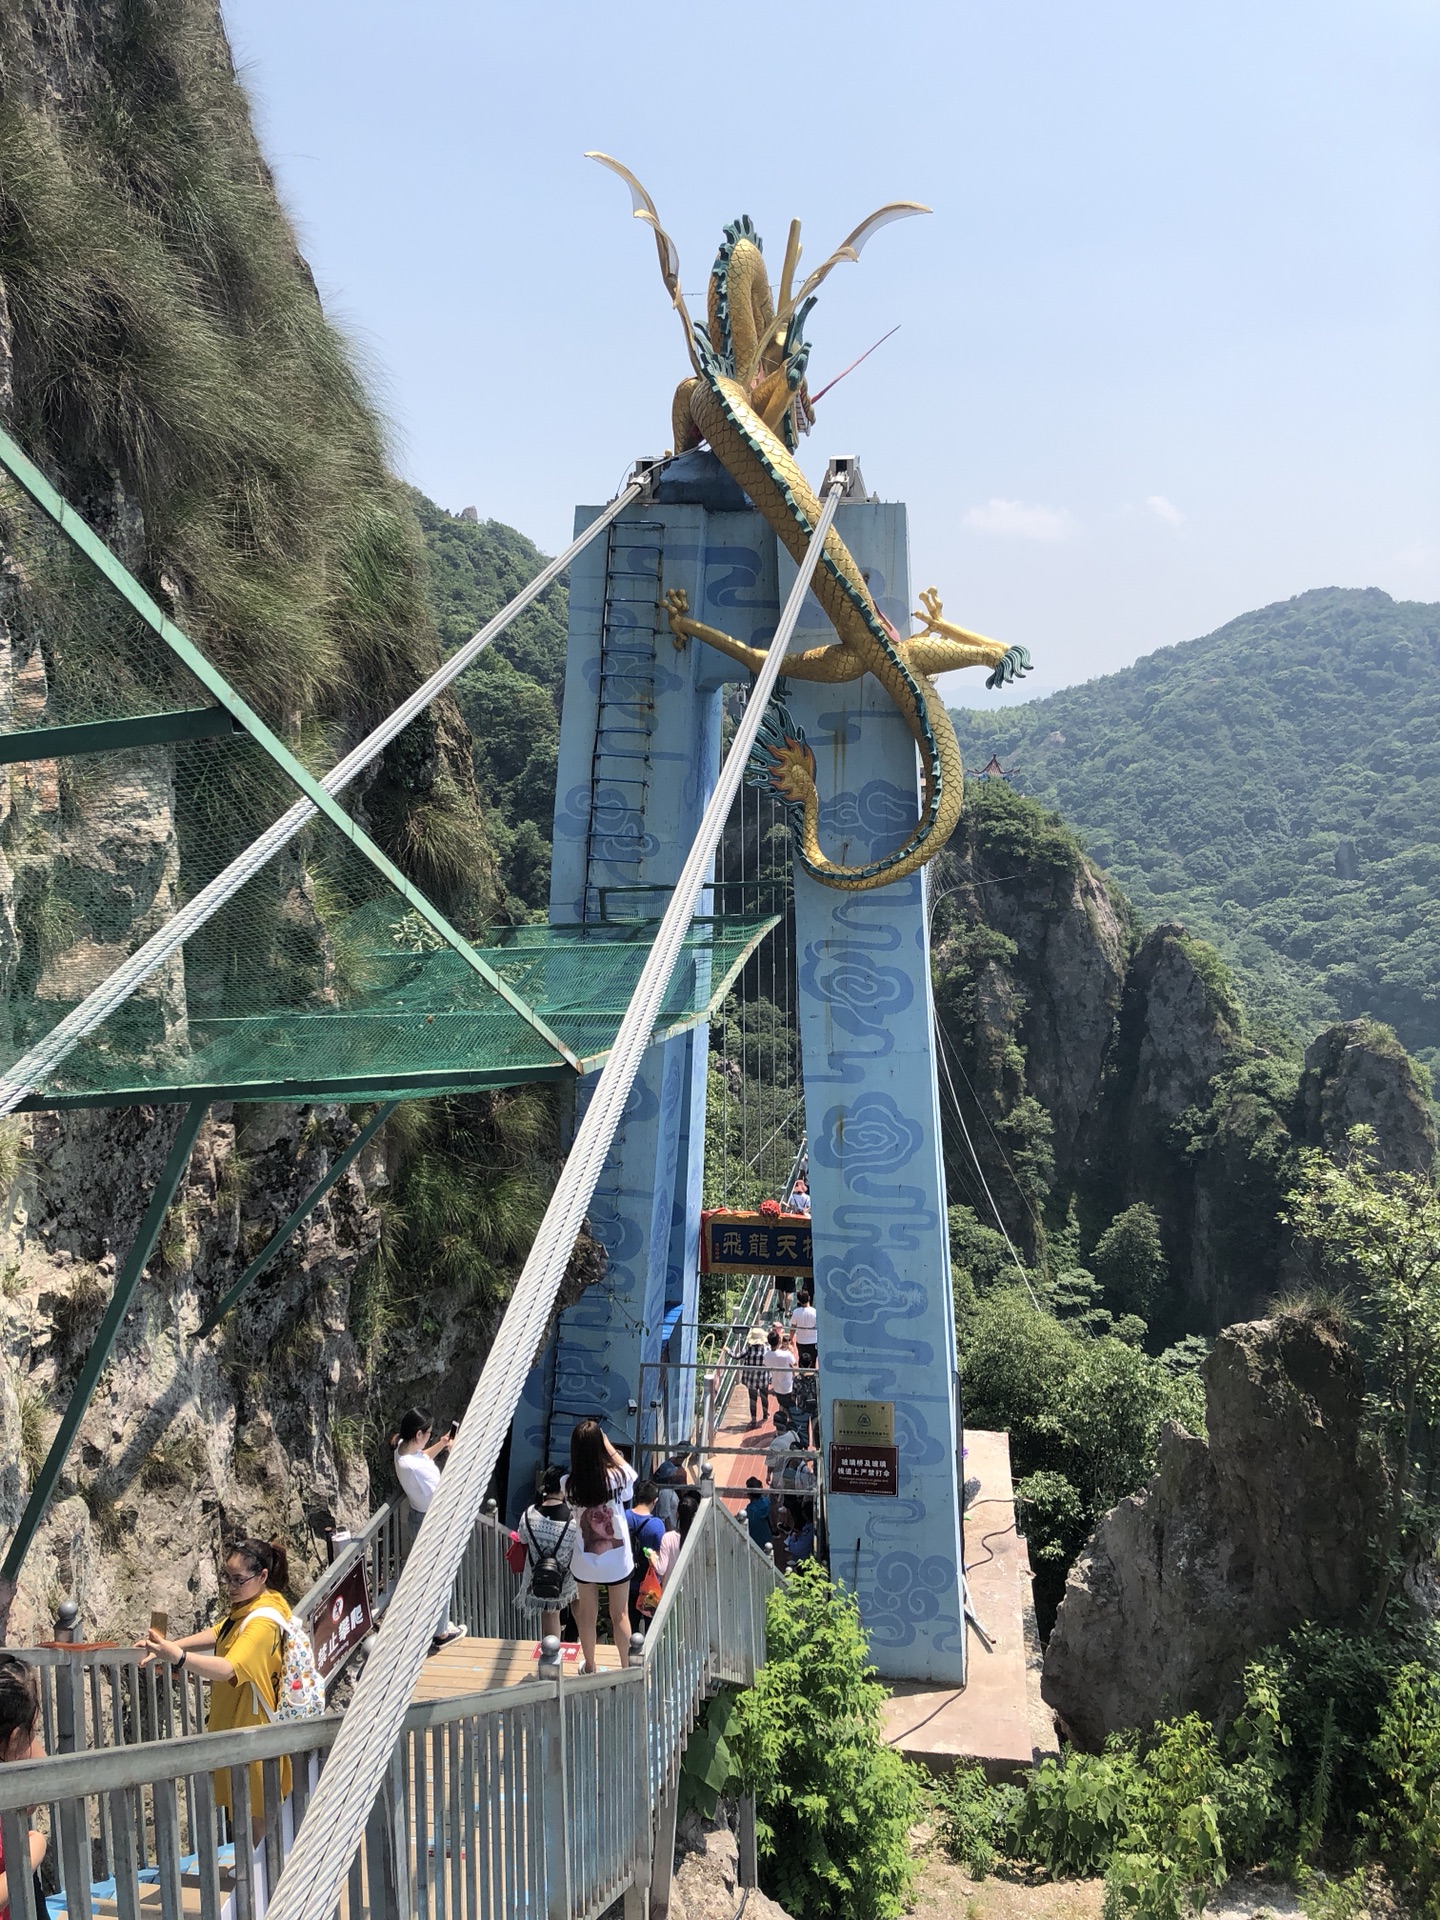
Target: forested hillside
{"points": [[511, 696], [1276, 786]]}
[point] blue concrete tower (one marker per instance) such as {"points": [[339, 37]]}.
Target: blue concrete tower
{"points": [[639, 752]]}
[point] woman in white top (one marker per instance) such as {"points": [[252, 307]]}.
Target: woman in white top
{"points": [[417, 1468], [803, 1327], [596, 1487], [779, 1363]]}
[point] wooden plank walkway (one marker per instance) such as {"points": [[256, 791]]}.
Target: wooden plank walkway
{"points": [[473, 1665]]}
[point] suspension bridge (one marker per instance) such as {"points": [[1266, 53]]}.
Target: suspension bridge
{"points": [[281, 956]]}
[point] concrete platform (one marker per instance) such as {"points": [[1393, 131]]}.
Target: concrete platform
{"points": [[998, 1717]]}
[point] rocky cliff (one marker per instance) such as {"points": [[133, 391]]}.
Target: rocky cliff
{"points": [[164, 358], [1236, 1540], [1097, 1067]]}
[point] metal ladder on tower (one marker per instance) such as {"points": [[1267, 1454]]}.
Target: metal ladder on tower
{"points": [[616, 842]]}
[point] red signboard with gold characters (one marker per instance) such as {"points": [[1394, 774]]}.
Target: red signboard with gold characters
{"points": [[765, 1242]]}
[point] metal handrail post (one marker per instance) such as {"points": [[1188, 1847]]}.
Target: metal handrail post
{"points": [[555, 1788]]}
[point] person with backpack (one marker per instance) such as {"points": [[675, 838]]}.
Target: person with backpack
{"points": [[756, 1512], [648, 1536], [597, 1485], [549, 1535], [20, 1739], [247, 1657]]}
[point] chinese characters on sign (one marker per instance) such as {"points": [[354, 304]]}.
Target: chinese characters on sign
{"points": [[753, 1243], [867, 1469], [863, 1422], [342, 1621]]}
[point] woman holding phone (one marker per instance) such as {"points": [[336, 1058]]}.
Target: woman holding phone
{"points": [[418, 1461]]}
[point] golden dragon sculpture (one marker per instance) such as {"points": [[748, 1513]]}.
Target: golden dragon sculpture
{"points": [[748, 398]]}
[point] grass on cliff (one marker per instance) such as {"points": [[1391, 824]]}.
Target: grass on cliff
{"points": [[167, 335]]}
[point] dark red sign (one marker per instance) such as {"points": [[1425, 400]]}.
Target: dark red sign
{"points": [[756, 1243], [864, 1469], [341, 1622]]}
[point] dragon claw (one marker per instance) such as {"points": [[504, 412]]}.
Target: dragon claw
{"points": [[1012, 664], [930, 609], [677, 606]]}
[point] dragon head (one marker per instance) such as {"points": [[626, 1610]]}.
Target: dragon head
{"points": [[754, 335]]}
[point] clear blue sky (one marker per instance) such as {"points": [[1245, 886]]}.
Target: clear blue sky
{"points": [[1168, 341]]}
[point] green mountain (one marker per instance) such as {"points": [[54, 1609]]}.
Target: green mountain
{"points": [[510, 697], [1276, 786]]}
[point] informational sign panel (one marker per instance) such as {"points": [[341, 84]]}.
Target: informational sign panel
{"points": [[864, 1469], [863, 1422], [342, 1621], [756, 1243]]}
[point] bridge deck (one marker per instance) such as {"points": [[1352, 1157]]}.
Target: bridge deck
{"points": [[473, 1665]]}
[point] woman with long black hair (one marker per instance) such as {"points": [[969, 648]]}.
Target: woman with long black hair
{"points": [[20, 1740], [418, 1461], [596, 1486]]}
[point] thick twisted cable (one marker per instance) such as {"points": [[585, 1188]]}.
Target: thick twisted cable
{"points": [[46, 1055], [315, 1872]]}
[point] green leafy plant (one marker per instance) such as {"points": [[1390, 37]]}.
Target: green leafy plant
{"points": [[1379, 1232], [834, 1802], [1402, 1822], [974, 1819], [1076, 1810], [1129, 1261], [708, 1766]]}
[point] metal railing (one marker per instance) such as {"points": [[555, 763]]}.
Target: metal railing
{"points": [[539, 1799], [95, 1697], [382, 1543]]}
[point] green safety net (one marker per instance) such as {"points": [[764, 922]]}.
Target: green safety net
{"points": [[124, 789]]}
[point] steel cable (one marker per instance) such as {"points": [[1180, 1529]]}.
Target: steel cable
{"points": [[315, 1872]]}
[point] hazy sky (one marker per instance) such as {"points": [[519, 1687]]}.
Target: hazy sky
{"points": [[1168, 340]]}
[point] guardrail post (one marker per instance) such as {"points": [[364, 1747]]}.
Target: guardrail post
{"points": [[69, 1706], [749, 1866], [555, 1786], [662, 1865]]}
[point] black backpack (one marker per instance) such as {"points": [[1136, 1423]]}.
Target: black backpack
{"points": [[547, 1576]]}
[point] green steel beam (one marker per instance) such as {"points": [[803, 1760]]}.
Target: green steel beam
{"points": [[126, 1282], [350, 1091], [110, 736], [82, 536], [306, 1207]]}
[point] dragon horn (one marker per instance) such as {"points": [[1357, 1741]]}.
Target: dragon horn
{"points": [[644, 208], [849, 249]]}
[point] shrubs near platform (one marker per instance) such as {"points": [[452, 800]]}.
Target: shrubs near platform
{"points": [[1333, 1762], [834, 1804]]}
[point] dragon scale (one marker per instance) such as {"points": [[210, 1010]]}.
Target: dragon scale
{"points": [[758, 460]]}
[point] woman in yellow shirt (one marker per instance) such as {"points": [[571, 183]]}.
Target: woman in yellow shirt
{"points": [[242, 1657]]}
